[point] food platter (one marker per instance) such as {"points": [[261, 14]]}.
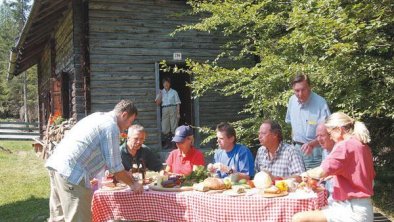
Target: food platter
{"points": [[247, 192], [271, 195], [173, 189]]}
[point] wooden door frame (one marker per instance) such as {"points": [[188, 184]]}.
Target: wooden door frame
{"points": [[195, 102]]}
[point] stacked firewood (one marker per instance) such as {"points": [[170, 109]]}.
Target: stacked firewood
{"points": [[54, 134]]}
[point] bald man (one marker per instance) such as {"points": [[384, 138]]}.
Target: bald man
{"points": [[324, 139], [327, 143]]}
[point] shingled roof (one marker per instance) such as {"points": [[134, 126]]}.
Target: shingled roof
{"points": [[43, 18]]}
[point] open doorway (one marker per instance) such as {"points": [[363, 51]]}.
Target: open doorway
{"points": [[179, 83]]}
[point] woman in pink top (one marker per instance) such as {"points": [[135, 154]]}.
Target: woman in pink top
{"points": [[183, 159], [351, 165]]}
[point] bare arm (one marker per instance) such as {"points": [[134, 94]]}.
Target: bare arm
{"points": [[126, 178], [178, 111], [316, 173], [308, 147], [243, 176], [158, 98], [168, 169]]}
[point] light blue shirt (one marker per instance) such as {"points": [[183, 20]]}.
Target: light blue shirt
{"points": [[91, 145], [240, 159], [304, 117]]}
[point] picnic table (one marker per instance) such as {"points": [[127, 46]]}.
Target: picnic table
{"points": [[199, 206]]}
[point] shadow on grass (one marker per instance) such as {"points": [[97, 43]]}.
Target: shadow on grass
{"points": [[33, 209], [384, 194]]}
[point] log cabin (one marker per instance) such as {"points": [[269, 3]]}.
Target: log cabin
{"points": [[91, 54]]}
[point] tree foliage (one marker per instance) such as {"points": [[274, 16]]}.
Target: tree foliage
{"points": [[13, 15], [346, 47]]}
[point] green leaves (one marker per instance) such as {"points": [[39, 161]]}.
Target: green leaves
{"points": [[345, 46]]}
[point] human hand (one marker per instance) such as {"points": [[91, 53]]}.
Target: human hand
{"points": [[137, 188], [307, 148], [221, 167], [211, 168]]}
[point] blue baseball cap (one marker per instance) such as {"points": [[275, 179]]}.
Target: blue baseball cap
{"points": [[181, 133]]}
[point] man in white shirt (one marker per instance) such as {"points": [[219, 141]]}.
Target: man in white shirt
{"points": [[169, 101]]}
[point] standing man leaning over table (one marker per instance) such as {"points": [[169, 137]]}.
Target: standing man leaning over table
{"points": [[304, 111], [232, 157], [90, 146], [275, 157], [169, 101]]}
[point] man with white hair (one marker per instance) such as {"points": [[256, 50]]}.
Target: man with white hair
{"points": [[133, 151], [327, 144]]}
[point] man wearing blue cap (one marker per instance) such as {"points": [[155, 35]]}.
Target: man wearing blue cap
{"points": [[182, 160]]}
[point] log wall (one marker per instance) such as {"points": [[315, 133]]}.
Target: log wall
{"points": [[126, 38]]}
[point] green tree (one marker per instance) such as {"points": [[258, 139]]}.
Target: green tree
{"points": [[346, 47], [13, 15]]}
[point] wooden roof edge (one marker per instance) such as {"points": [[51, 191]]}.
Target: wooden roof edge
{"points": [[15, 51]]}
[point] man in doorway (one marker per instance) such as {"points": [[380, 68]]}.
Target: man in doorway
{"points": [[169, 101], [304, 111], [275, 157], [90, 146]]}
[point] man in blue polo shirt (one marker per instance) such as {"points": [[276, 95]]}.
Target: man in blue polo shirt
{"points": [[232, 158], [305, 110]]}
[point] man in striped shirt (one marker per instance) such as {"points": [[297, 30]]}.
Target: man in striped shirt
{"points": [[90, 146]]}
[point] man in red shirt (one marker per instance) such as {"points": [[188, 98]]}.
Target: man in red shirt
{"points": [[182, 160]]}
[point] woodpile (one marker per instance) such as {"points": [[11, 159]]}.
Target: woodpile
{"points": [[53, 135]]}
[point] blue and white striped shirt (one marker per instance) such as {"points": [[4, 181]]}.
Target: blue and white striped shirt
{"points": [[91, 145]]}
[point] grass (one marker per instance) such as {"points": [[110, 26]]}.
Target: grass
{"points": [[24, 183]]}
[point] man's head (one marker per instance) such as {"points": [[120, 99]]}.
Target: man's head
{"points": [[135, 137], [226, 136], [166, 83], [324, 138], [183, 138], [126, 112], [301, 87], [270, 134]]}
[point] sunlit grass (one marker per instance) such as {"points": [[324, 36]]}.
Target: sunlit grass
{"points": [[24, 183]]}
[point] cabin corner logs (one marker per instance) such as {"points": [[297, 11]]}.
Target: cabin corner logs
{"points": [[102, 51]]}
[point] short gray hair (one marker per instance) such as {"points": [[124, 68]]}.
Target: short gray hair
{"points": [[135, 129], [126, 106]]}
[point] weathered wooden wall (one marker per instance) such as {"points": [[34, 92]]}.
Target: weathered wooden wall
{"points": [[127, 37], [64, 45], [44, 75]]}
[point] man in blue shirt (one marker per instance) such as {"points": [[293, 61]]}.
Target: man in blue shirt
{"points": [[305, 110], [232, 158], [89, 147]]}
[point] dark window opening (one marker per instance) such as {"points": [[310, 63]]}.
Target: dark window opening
{"points": [[179, 83], [66, 95]]}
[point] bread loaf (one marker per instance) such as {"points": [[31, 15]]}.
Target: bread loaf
{"points": [[272, 189], [214, 183]]}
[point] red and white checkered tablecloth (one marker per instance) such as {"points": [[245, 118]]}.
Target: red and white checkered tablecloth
{"points": [[197, 206]]}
